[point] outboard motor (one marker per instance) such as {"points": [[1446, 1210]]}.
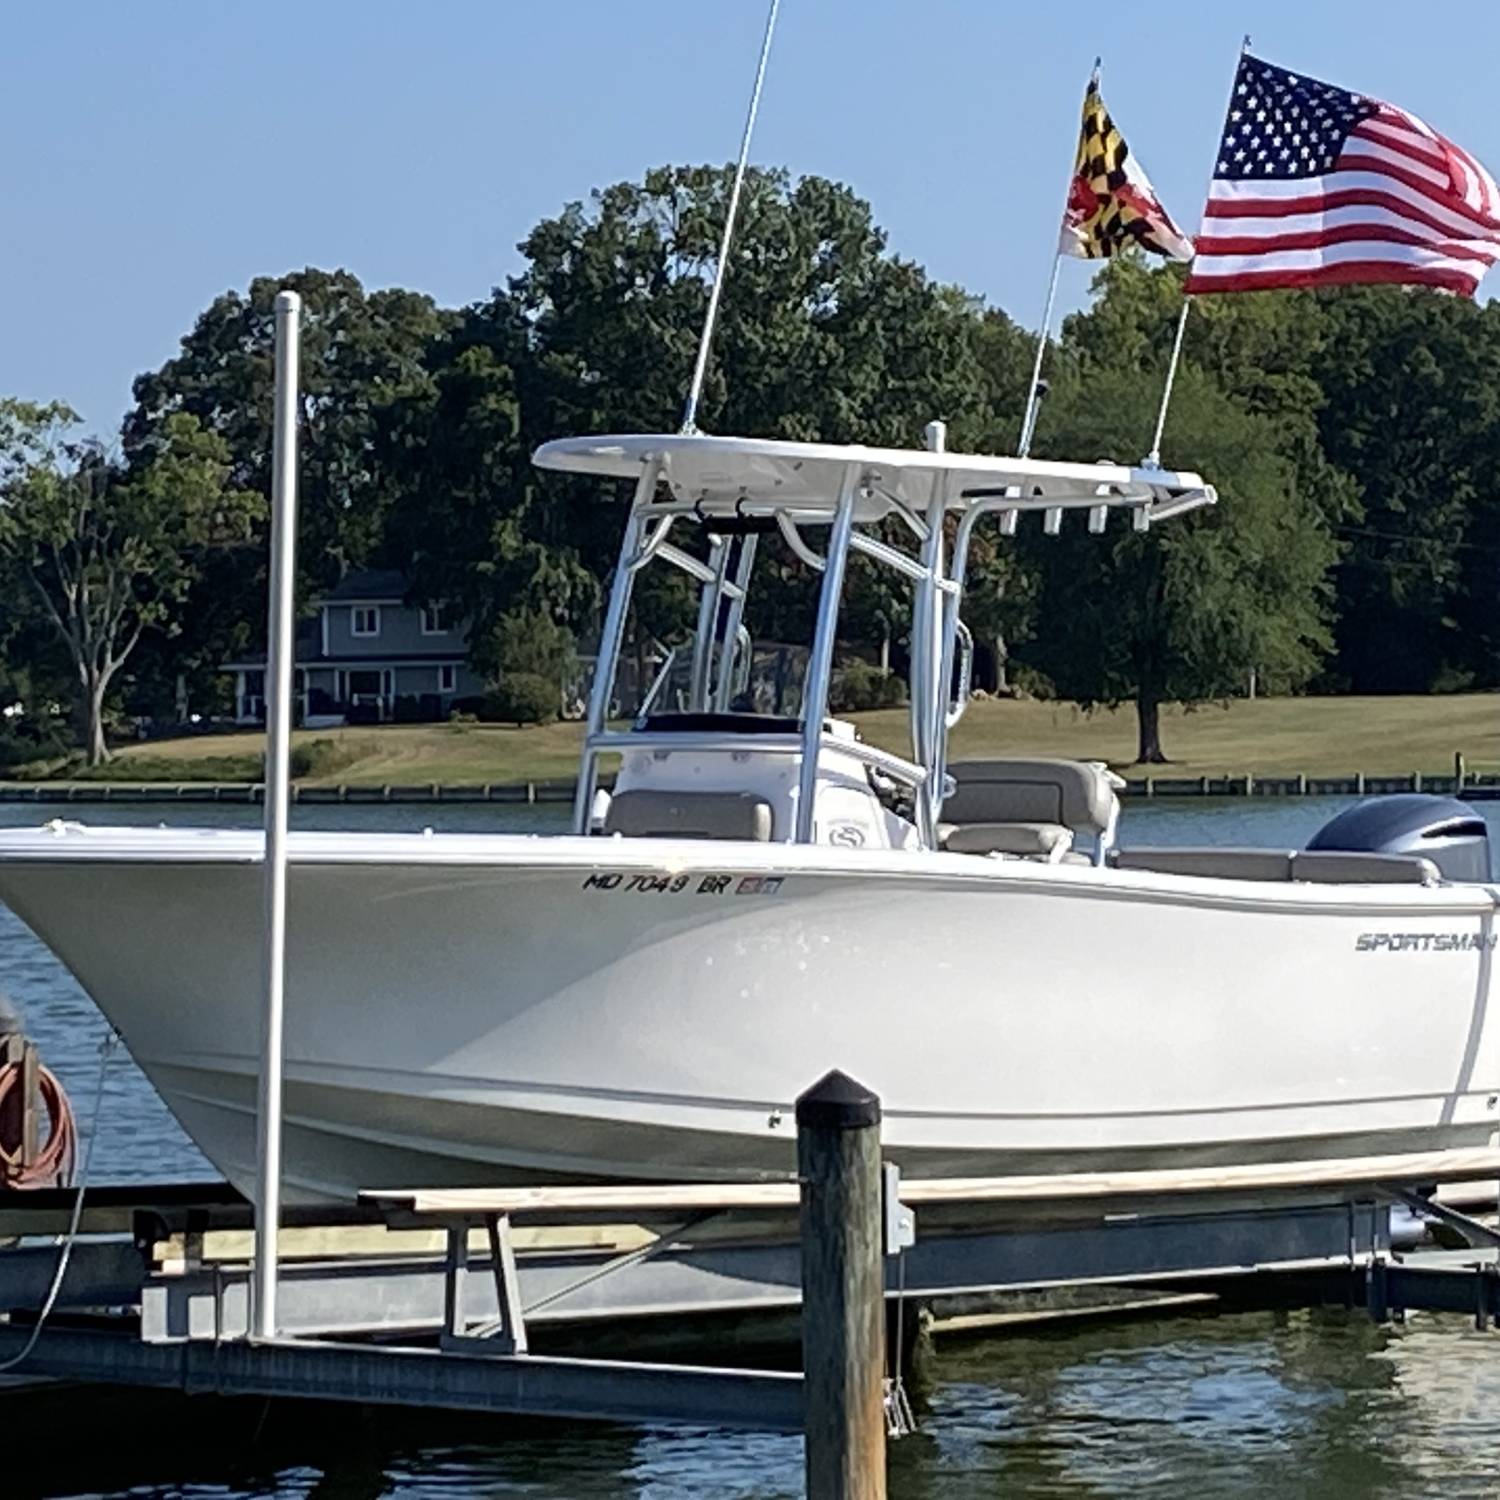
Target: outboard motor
{"points": [[1448, 832]]}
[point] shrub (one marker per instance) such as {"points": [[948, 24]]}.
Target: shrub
{"points": [[324, 757], [163, 768], [522, 698], [418, 708], [858, 686], [1027, 682], [23, 740]]}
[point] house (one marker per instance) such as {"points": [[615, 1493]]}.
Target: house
{"points": [[367, 657]]}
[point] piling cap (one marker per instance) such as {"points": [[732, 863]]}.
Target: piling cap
{"points": [[838, 1102]]}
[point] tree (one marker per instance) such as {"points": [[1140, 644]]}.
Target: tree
{"points": [[107, 552], [523, 698], [1411, 411], [823, 335], [528, 640], [1186, 611], [360, 352], [469, 520]]}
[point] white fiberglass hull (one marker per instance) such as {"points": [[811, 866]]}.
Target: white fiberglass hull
{"points": [[490, 1009]]}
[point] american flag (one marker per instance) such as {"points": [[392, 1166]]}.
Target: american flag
{"points": [[1315, 186]]}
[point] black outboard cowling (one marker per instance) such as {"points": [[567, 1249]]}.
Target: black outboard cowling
{"points": [[1448, 832]]}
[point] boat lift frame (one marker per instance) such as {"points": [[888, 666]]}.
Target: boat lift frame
{"points": [[437, 1298]]}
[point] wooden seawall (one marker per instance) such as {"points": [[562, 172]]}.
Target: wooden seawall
{"points": [[1480, 786]]}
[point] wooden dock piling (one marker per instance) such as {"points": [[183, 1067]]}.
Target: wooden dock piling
{"points": [[843, 1289]]}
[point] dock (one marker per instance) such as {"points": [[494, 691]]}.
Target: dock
{"points": [[440, 1299]]}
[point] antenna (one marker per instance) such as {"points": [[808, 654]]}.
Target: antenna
{"points": [[690, 410]]}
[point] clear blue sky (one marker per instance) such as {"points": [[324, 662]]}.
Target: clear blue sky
{"points": [[159, 153]]}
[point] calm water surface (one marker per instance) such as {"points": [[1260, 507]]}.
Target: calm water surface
{"points": [[1292, 1405]]}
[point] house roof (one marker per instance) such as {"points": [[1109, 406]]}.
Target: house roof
{"points": [[377, 584]]}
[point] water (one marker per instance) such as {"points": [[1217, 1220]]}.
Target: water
{"points": [[1297, 1405]]}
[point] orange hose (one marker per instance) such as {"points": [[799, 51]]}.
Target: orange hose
{"points": [[54, 1162]]}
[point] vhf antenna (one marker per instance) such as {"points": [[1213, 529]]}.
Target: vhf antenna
{"points": [[695, 391]]}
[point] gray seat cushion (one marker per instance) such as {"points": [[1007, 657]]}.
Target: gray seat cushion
{"points": [[1335, 867], [1322, 867], [1032, 840], [689, 815], [1070, 792], [1210, 864]]}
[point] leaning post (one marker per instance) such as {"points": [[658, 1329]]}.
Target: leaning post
{"points": [[843, 1289]]}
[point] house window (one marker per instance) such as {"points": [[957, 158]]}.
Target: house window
{"points": [[366, 619], [432, 620], [448, 679]]}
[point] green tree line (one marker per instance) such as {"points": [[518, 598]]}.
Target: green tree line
{"points": [[1353, 437]]}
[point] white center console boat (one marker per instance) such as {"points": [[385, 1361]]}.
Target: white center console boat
{"points": [[760, 897]]}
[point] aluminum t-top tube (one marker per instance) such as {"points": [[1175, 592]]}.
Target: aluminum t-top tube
{"points": [[927, 647], [951, 602], [708, 622], [743, 569], [820, 664], [610, 637]]}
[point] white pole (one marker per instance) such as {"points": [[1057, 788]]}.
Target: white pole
{"points": [[700, 369], [1028, 421], [1153, 459], [278, 757], [820, 663]]}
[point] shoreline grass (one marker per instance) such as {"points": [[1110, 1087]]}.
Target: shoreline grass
{"points": [[1266, 737]]}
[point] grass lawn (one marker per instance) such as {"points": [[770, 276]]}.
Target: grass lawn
{"points": [[1271, 736]]}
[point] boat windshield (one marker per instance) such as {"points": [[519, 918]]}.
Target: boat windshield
{"points": [[766, 679]]}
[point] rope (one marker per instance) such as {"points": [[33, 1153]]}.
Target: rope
{"points": [[106, 1047], [54, 1162]]}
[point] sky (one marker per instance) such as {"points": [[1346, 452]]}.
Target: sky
{"points": [[162, 152]]}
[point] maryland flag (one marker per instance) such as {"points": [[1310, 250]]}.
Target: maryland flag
{"points": [[1111, 203]]}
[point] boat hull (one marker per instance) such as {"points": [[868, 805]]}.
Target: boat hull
{"points": [[498, 1009]]}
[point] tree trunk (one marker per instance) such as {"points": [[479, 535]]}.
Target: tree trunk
{"points": [[1148, 731], [1002, 664], [94, 745]]}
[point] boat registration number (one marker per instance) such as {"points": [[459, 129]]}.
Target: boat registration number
{"points": [[668, 883]]}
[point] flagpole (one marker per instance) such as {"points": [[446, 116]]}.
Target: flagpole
{"points": [[1153, 459], [1028, 419]]}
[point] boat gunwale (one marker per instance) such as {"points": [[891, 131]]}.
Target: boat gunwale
{"points": [[574, 853]]}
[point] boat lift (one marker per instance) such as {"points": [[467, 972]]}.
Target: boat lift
{"points": [[440, 1298]]}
